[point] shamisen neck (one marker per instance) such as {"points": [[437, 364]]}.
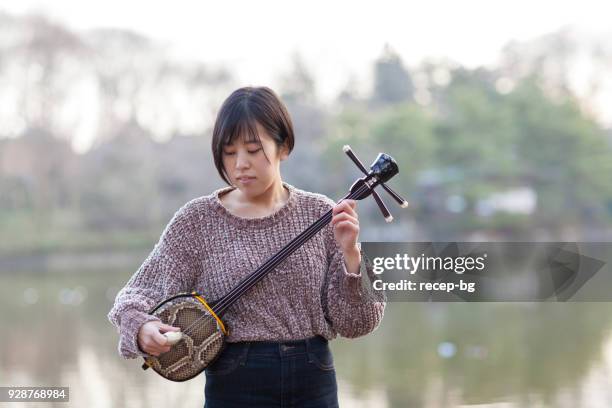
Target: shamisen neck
{"points": [[250, 280]]}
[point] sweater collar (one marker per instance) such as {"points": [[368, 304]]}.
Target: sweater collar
{"points": [[243, 222]]}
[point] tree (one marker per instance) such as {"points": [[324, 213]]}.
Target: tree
{"points": [[392, 82]]}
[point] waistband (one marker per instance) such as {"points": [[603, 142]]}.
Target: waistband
{"points": [[282, 347]]}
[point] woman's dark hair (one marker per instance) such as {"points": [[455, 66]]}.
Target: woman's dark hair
{"points": [[239, 116]]}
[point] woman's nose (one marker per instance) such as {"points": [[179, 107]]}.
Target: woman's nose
{"points": [[242, 160]]}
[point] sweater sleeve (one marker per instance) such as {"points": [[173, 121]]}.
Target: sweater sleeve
{"points": [[169, 269], [353, 308]]}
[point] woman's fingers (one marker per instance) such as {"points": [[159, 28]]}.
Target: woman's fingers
{"points": [[154, 342], [346, 226], [344, 211], [347, 206], [166, 328], [345, 222], [159, 339], [150, 347], [153, 347], [157, 351], [344, 217]]}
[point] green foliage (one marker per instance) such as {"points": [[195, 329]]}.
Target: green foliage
{"points": [[565, 157], [473, 143]]}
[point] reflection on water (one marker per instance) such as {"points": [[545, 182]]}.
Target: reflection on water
{"points": [[55, 333]]}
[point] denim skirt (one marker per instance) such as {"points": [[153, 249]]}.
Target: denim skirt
{"points": [[273, 374]]}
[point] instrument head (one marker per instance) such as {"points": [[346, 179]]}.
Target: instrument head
{"points": [[381, 171], [384, 167]]}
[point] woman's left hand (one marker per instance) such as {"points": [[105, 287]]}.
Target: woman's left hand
{"points": [[345, 223]]}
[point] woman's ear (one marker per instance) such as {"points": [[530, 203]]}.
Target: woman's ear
{"points": [[283, 151]]}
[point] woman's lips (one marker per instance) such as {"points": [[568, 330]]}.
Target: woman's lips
{"points": [[245, 180]]}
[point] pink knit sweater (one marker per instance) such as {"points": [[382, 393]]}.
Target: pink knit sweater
{"points": [[208, 249]]}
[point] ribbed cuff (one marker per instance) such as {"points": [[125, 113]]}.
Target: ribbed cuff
{"points": [[350, 283], [131, 323]]}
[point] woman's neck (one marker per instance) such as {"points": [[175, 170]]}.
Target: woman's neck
{"points": [[273, 197], [258, 206]]}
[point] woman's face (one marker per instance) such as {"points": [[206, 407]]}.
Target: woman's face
{"points": [[248, 168]]}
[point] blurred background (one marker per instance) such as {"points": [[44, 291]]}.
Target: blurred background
{"points": [[499, 115]]}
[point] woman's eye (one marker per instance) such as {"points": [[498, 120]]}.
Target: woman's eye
{"points": [[254, 151], [229, 153]]}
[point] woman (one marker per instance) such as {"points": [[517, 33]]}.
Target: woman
{"points": [[277, 352]]}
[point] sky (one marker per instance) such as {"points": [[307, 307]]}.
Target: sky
{"points": [[338, 40]]}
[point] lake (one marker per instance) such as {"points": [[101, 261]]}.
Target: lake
{"points": [[502, 355]]}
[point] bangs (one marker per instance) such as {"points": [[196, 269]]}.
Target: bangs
{"points": [[240, 126]]}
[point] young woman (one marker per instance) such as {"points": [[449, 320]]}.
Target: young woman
{"points": [[277, 352]]}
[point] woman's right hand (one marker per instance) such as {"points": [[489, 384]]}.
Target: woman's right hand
{"points": [[151, 339]]}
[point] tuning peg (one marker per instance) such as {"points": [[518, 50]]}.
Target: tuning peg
{"points": [[382, 206], [403, 203], [379, 201]]}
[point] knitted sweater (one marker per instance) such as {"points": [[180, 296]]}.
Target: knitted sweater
{"points": [[208, 249]]}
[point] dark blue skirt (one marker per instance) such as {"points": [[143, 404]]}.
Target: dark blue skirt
{"points": [[269, 374]]}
